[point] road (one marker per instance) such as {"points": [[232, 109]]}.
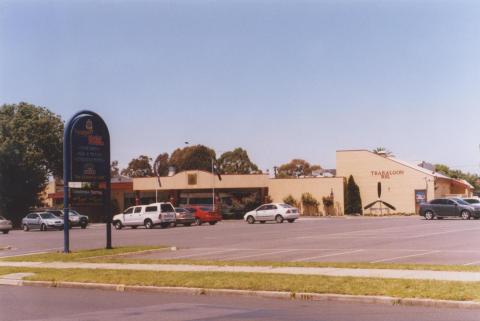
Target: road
{"points": [[30, 303], [387, 240]]}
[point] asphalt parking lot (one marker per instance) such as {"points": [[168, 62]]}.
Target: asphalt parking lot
{"points": [[388, 240]]}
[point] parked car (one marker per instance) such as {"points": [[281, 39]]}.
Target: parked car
{"points": [[5, 225], [272, 212], [445, 207], [184, 216], [42, 221], [162, 214], [75, 219], [205, 214]]}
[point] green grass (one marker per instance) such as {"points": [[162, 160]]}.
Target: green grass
{"points": [[116, 256], [81, 255], [442, 290]]}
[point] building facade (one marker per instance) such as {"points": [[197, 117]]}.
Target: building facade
{"points": [[398, 183]]}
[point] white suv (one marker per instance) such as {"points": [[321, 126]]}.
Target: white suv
{"points": [[272, 212], [162, 214]]}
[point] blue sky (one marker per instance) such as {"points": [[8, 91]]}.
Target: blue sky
{"points": [[282, 79]]}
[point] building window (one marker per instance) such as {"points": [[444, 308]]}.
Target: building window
{"points": [[192, 179]]}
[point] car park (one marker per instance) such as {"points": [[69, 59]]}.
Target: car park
{"points": [[448, 207], [205, 214], [42, 221], [162, 214], [272, 212], [75, 219], [184, 216], [5, 225]]}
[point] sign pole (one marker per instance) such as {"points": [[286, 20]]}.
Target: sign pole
{"points": [[66, 194]]}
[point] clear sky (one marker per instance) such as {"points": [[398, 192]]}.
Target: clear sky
{"points": [[282, 79]]}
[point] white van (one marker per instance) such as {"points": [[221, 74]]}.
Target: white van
{"points": [[162, 214]]}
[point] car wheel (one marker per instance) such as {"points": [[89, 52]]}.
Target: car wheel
{"points": [[198, 221], [26, 228], [291, 221], [250, 220], [148, 224], [83, 226], [429, 215], [5, 231], [43, 227], [212, 223], [279, 219], [118, 225], [465, 215]]}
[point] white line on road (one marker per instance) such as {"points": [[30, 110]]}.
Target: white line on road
{"points": [[404, 257], [253, 255], [198, 254], [326, 255]]}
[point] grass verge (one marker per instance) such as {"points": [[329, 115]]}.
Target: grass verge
{"points": [[116, 256], [441, 290], [82, 255]]}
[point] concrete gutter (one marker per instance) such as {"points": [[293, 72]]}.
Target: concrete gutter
{"points": [[17, 280], [340, 272]]}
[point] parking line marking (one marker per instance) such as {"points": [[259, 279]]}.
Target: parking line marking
{"points": [[326, 255], [404, 256], [197, 254], [253, 255]]}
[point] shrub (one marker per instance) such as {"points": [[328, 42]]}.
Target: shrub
{"points": [[309, 204], [290, 200], [353, 200]]}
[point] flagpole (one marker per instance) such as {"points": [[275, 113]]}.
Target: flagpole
{"points": [[213, 188]]}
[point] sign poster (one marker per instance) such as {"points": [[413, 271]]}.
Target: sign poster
{"points": [[90, 150], [84, 197]]}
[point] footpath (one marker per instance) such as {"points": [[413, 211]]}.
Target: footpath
{"points": [[368, 273]]}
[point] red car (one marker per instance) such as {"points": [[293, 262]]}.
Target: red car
{"points": [[204, 214]]}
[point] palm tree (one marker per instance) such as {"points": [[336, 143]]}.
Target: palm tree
{"points": [[383, 151]]}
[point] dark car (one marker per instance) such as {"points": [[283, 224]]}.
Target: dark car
{"points": [[445, 207], [204, 214], [184, 216]]}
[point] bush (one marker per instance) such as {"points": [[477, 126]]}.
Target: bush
{"points": [[353, 200], [309, 204], [290, 200]]}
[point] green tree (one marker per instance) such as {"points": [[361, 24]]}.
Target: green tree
{"points": [[384, 151], [353, 200], [139, 167], [161, 164], [114, 169], [473, 179], [295, 168], [31, 147], [236, 162], [197, 157]]}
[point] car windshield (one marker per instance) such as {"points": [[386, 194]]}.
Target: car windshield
{"points": [[286, 206], [47, 216]]}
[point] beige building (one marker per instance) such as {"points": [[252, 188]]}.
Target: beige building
{"points": [[402, 185], [237, 193]]}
